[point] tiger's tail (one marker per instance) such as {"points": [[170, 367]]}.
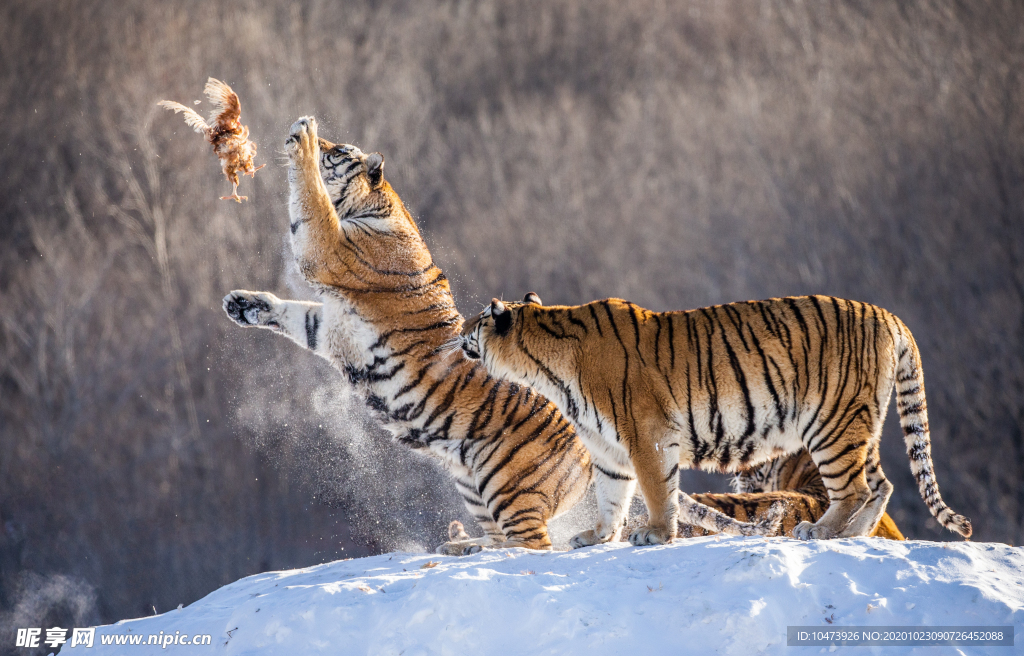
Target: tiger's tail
{"points": [[913, 411]]}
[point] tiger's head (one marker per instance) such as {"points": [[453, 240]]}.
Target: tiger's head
{"points": [[356, 186], [491, 337], [381, 247], [351, 176]]}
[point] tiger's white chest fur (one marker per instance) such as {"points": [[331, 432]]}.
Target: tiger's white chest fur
{"points": [[353, 345], [347, 336], [599, 435]]}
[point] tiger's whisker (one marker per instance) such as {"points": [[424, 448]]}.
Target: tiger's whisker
{"points": [[449, 347]]}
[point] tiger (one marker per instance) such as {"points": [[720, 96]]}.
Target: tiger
{"points": [[388, 321], [790, 485], [793, 481], [725, 388], [385, 311]]}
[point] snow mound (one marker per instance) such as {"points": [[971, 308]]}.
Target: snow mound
{"points": [[731, 595]]}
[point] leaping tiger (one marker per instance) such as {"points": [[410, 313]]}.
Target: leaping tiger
{"points": [[724, 388], [385, 313]]}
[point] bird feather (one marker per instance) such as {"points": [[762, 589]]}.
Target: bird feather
{"points": [[227, 108], [192, 118]]}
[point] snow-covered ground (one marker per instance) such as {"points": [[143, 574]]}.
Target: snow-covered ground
{"points": [[703, 595]]}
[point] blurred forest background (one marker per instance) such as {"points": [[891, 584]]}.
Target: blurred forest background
{"points": [[678, 154]]}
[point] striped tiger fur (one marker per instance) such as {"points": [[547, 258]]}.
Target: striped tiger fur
{"points": [[726, 388], [793, 481], [386, 312], [789, 485]]}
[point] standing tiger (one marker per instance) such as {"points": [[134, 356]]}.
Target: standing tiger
{"points": [[726, 388]]}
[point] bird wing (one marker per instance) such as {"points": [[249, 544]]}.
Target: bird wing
{"points": [[225, 101], [193, 119]]}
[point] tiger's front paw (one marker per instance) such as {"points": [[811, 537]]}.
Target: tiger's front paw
{"points": [[302, 145], [809, 531], [648, 535], [252, 308]]}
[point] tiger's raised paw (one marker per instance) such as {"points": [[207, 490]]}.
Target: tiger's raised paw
{"points": [[649, 535], [302, 144], [252, 308]]}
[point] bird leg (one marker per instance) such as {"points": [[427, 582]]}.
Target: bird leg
{"points": [[252, 173], [234, 193]]}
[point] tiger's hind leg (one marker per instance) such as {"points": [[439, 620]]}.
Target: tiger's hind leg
{"points": [[842, 461], [459, 543], [866, 520], [522, 516], [527, 530]]}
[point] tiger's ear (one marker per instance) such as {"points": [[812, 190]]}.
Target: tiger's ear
{"points": [[532, 298], [501, 315], [375, 168], [324, 144]]}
